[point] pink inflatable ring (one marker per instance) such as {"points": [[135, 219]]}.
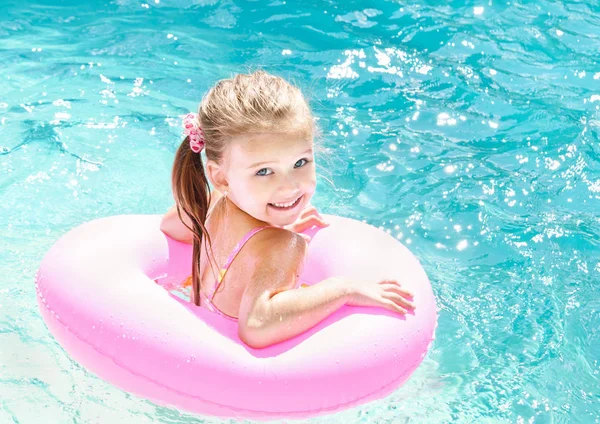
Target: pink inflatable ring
{"points": [[97, 296]]}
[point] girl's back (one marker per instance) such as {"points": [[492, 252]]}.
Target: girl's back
{"points": [[227, 263]]}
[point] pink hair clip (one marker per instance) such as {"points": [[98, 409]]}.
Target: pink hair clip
{"points": [[194, 132]]}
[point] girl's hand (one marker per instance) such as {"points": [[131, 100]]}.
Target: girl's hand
{"points": [[308, 218], [387, 294]]}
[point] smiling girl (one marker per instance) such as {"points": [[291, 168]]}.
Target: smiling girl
{"points": [[257, 133]]}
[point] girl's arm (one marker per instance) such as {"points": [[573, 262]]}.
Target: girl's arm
{"points": [[172, 226], [271, 309]]}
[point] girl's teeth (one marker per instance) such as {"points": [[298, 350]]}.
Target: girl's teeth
{"points": [[285, 205]]}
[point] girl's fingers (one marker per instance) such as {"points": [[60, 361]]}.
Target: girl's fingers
{"points": [[310, 210], [300, 225], [306, 223], [318, 221], [399, 300], [388, 304], [396, 288], [399, 290]]}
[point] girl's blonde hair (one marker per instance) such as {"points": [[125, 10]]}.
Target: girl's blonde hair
{"points": [[247, 103]]}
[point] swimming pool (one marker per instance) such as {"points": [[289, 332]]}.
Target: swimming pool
{"points": [[470, 132]]}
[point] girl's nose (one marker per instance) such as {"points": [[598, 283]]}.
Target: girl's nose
{"points": [[290, 185]]}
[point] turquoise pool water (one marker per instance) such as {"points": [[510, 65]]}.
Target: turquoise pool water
{"points": [[469, 131]]}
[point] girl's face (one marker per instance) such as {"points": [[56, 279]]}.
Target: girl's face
{"points": [[271, 176]]}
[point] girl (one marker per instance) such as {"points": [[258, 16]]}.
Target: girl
{"points": [[257, 132]]}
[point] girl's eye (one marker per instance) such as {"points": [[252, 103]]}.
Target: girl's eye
{"points": [[264, 171], [300, 163]]}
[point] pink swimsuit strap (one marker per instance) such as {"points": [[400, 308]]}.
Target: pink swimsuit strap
{"points": [[231, 257]]}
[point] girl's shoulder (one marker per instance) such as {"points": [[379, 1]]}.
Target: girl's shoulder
{"points": [[277, 256], [274, 242]]}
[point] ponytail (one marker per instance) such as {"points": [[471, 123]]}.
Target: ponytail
{"points": [[192, 198]]}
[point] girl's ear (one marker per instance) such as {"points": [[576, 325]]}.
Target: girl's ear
{"points": [[216, 176]]}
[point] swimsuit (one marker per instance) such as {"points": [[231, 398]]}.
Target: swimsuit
{"points": [[209, 298]]}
